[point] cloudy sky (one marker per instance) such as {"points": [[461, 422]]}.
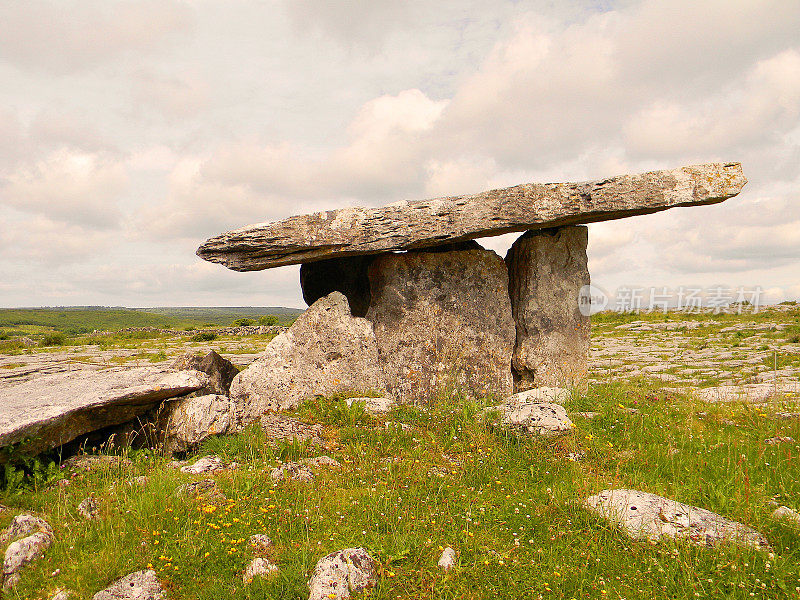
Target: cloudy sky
{"points": [[132, 131]]}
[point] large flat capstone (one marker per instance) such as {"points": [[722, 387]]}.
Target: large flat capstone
{"points": [[52, 410], [421, 224]]}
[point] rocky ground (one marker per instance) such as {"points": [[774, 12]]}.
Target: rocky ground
{"points": [[674, 474]]}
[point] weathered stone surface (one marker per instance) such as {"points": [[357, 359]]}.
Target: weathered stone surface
{"points": [[546, 270], [301, 470], [443, 322], [38, 537], [410, 225], [259, 567], [141, 585], [189, 421], [326, 351], [220, 370], [260, 542], [539, 394], [784, 513], [346, 274], [643, 515], [54, 409], [373, 406], [89, 509], [540, 418], [340, 573], [448, 559], [208, 464], [280, 427]]}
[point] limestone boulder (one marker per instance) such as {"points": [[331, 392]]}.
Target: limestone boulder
{"points": [[220, 370], [326, 351], [141, 585], [32, 537], [547, 269], [538, 418], [648, 516], [55, 409], [443, 323], [189, 421], [340, 573]]}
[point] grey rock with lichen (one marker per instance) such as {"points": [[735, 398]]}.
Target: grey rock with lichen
{"points": [[326, 351], [340, 573], [141, 585]]}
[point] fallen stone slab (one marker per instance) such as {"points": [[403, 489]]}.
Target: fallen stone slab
{"points": [[326, 351], [141, 585], [52, 410], [652, 517], [342, 572], [420, 224]]}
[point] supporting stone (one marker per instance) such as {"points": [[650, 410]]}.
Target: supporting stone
{"points": [[443, 323], [547, 268], [347, 275]]}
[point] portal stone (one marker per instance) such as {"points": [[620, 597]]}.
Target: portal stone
{"points": [[546, 269]]}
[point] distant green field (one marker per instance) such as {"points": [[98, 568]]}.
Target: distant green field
{"points": [[85, 319]]}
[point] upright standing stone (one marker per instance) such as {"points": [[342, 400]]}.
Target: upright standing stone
{"points": [[443, 323], [546, 269], [326, 351]]}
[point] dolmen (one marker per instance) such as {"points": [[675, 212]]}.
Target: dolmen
{"points": [[404, 302]]}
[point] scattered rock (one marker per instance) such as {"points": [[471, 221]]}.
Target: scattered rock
{"points": [[88, 509], [321, 461], [541, 418], [784, 513], [189, 421], [38, 537], [292, 471], [141, 585], [326, 351], [547, 269], [280, 427], [205, 487], [373, 406], [783, 439], [259, 567], [89, 463], [539, 394], [260, 543], [340, 573], [448, 559], [52, 410], [643, 515], [442, 323], [208, 464], [62, 595], [220, 370]]}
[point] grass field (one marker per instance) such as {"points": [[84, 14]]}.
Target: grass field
{"points": [[510, 506]]}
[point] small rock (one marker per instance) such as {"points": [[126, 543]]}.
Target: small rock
{"points": [[779, 440], [21, 552], [204, 487], [62, 595], [281, 427], [207, 464], [588, 415], [448, 559], [340, 573], [643, 515], [542, 418], [784, 513], [88, 509], [260, 543], [539, 394], [94, 462], [321, 461], [141, 585], [374, 406], [259, 567], [292, 471]]}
